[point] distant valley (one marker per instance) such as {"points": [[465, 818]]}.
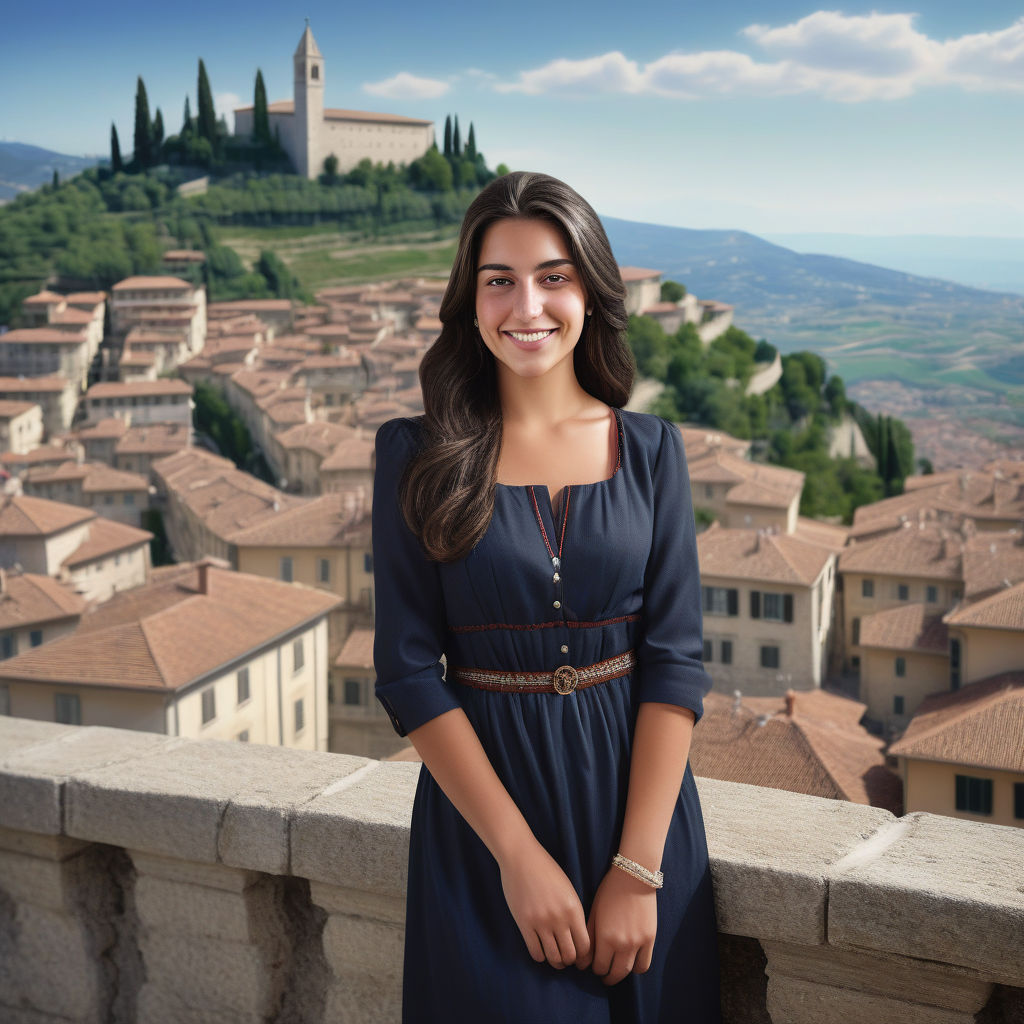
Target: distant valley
{"points": [[24, 167]]}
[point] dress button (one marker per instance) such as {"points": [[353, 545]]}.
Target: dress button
{"points": [[557, 604], [555, 578], [564, 648]]}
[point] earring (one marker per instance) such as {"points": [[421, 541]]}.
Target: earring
{"points": [[589, 311], [476, 323]]}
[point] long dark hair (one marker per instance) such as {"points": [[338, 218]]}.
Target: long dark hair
{"points": [[447, 492]]}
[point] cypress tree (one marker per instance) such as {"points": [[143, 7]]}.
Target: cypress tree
{"points": [[186, 124], [456, 139], [448, 135], [260, 116], [143, 128], [207, 118], [116, 164], [56, 179], [158, 135], [471, 143]]}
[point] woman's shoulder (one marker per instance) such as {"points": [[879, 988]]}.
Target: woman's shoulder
{"points": [[402, 430], [648, 430]]}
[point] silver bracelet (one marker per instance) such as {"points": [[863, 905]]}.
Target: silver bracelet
{"points": [[655, 879]]}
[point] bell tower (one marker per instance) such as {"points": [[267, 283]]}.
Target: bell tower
{"points": [[309, 105]]}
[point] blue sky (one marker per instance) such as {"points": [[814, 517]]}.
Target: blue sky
{"points": [[768, 117]]}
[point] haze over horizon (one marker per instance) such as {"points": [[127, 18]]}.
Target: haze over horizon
{"points": [[770, 118]]}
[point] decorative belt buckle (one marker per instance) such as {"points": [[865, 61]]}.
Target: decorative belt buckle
{"points": [[565, 679]]}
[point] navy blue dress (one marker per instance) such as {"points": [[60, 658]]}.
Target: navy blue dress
{"points": [[629, 579]]}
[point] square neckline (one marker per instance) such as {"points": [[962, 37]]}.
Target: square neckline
{"points": [[620, 458]]}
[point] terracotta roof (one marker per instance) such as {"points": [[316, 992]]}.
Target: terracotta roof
{"points": [[95, 477], [139, 389], [699, 441], [30, 385], [321, 437], [167, 634], [754, 483], [162, 283], [237, 305], [110, 428], [757, 555], [9, 408], [86, 298], [184, 255], [357, 649], [106, 538], [929, 552], [331, 520], [828, 535], [333, 114], [43, 455], [21, 516], [1001, 610], [637, 273], [820, 750], [43, 298], [991, 561], [27, 599], [42, 336], [905, 628], [352, 453], [979, 725], [73, 316], [154, 438]]}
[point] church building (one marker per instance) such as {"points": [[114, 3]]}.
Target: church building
{"points": [[310, 133]]}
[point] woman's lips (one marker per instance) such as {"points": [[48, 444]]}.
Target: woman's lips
{"points": [[529, 339]]}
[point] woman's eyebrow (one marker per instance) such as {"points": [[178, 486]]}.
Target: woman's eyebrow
{"points": [[546, 265]]}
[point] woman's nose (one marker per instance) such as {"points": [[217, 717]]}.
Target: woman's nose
{"points": [[528, 304]]}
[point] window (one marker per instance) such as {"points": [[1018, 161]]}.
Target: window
{"points": [[954, 664], [35, 638], [286, 572], [5, 700], [897, 705], [323, 570], [129, 499], [243, 684], [243, 736], [770, 606], [108, 499], [1018, 795], [867, 588], [315, 72], [726, 652], [855, 631], [67, 708], [900, 667], [769, 657], [367, 562], [8, 645], [903, 591], [709, 491], [298, 655], [931, 594], [973, 795], [720, 600], [773, 607], [708, 651], [300, 716], [209, 705], [353, 691]]}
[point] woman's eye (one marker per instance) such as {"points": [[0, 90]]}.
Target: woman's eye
{"points": [[499, 280], [555, 278]]}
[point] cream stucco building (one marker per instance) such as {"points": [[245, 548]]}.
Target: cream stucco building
{"points": [[310, 133]]}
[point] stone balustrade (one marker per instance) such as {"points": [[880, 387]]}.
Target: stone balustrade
{"points": [[151, 879]]}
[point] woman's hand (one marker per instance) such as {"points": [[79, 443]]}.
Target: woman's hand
{"points": [[622, 925], [545, 906]]}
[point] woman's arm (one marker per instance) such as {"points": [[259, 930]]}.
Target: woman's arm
{"points": [[624, 917], [541, 898]]}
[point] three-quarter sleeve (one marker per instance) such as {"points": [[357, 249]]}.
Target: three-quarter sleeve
{"points": [[409, 612], [671, 648]]}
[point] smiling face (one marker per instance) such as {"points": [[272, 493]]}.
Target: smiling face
{"points": [[530, 300]]}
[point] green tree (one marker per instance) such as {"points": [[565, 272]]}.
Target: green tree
{"points": [[471, 153], [501, 170], [672, 291], [260, 115], [143, 128], [55, 182], [765, 352], [207, 117], [186, 124], [157, 137], [431, 171], [456, 138], [116, 163], [330, 169], [448, 135]]}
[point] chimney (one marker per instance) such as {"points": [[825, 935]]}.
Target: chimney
{"points": [[790, 703], [203, 568]]}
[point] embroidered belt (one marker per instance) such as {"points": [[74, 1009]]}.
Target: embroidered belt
{"points": [[563, 679]]}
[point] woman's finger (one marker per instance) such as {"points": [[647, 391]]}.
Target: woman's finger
{"points": [[551, 953], [584, 944], [533, 945], [566, 947], [642, 964], [622, 964]]}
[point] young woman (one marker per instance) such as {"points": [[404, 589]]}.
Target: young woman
{"points": [[541, 538]]}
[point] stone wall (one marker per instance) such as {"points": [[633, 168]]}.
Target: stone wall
{"points": [[165, 880]]}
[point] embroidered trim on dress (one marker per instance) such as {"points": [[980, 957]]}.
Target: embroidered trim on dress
{"points": [[569, 623]]}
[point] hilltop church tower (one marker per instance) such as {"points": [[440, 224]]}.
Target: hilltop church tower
{"points": [[309, 133], [309, 105]]}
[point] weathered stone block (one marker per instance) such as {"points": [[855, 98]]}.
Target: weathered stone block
{"points": [[34, 844], [354, 902], [192, 910], [361, 999], [940, 889], [213, 876], [172, 1005], [353, 944], [770, 851], [796, 1001], [358, 836]]}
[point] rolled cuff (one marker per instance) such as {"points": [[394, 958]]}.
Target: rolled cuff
{"points": [[683, 685], [414, 700]]}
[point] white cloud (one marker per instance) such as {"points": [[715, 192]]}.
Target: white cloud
{"points": [[404, 86], [224, 104], [843, 58]]}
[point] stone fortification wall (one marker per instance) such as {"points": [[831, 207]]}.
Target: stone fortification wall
{"points": [[164, 880]]}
